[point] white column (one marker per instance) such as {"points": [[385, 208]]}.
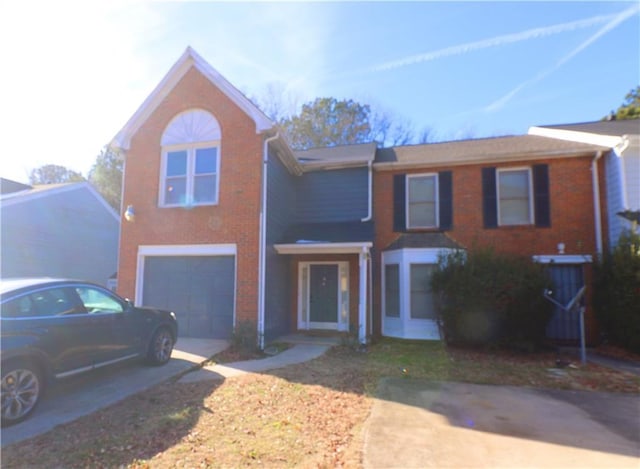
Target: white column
{"points": [[362, 304]]}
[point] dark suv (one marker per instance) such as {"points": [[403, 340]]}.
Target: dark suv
{"points": [[55, 328]]}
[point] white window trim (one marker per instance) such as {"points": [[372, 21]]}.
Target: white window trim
{"points": [[530, 195], [404, 326], [190, 148], [304, 322], [407, 200]]}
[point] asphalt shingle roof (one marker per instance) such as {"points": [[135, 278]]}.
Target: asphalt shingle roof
{"points": [[423, 240], [612, 128], [335, 232], [487, 149]]}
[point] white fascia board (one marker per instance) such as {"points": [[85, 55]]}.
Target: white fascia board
{"points": [[188, 250], [564, 259], [188, 59], [610, 141], [322, 248]]}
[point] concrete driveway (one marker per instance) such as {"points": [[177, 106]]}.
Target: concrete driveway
{"points": [[417, 423], [81, 395]]}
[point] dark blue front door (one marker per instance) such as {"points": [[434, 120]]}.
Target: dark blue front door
{"points": [[323, 291], [567, 281]]}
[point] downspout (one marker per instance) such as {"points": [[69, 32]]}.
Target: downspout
{"points": [[263, 241], [597, 215], [370, 193]]}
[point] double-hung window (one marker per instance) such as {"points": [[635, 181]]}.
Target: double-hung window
{"points": [[190, 172], [190, 176], [422, 201], [515, 196]]}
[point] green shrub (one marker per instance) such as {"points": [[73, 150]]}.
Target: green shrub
{"points": [[617, 292], [492, 299]]}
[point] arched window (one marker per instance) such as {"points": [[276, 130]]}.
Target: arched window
{"points": [[190, 160]]}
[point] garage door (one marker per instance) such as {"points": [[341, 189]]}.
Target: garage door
{"points": [[199, 289]]}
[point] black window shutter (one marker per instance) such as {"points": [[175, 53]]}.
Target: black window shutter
{"points": [[445, 196], [541, 202], [399, 201], [489, 198]]}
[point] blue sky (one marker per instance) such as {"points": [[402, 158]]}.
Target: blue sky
{"points": [[78, 70]]}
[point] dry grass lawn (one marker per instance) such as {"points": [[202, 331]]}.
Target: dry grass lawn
{"points": [[308, 415]]}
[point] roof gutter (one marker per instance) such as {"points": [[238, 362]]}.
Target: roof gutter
{"points": [[597, 215], [263, 241]]}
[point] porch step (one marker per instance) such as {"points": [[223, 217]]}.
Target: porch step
{"points": [[316, 338]]}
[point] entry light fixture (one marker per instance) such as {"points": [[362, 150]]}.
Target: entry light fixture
{"points": [[130, 214]]}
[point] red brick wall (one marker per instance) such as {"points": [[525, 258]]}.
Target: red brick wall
{"points": [[236, 217], [572, 214]]}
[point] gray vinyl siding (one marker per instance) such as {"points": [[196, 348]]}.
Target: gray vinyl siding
{"points": [[65, 234], [615, 201], [332, 196], [281, 197]]}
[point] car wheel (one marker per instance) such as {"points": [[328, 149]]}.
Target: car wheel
{"points": [[21, 389], [160, 347]]}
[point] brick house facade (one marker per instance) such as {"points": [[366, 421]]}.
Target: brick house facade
{"points": [[232, 226]]}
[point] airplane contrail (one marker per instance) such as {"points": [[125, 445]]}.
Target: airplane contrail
{"points": [[494, 42], [612, 24]]}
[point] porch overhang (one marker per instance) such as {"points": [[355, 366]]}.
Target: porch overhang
{"points": [[320, 247], [362, 249]]}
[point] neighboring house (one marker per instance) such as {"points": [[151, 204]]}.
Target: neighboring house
{"points": [[622, 164], [232, 227], [57, 230]]}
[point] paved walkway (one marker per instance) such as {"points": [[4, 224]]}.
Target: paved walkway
{"points": [[298, 353]]}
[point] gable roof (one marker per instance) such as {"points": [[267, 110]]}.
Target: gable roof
{"points": [[613, 133], [484, 150], [47, 190], [7, 186], [188, 60], [613, 127]]}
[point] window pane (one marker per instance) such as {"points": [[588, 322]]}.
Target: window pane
{"points": [[421, 296], [422, 214], [204, 189], [97, 301], [514, 184], [175, 191], [422, 189], [514, 212], [206, 160], [19, 308], [422, 201], [176, 163], [392, 290], [513, 189]]}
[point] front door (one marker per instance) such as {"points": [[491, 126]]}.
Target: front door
{"points": [[567, 280], [323, 296]]}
